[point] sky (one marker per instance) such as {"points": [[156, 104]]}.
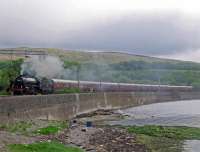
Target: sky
{"points": [[163, 28]]}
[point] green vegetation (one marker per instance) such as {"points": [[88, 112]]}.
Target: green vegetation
{"points": [[42, 147], [52, 128], [180, 133], [9, 70], [71, 64], [161, 144], [20, 127], [182, 73], [48, 130], [132, 69], [29, 128], [68, 90], [164, 139]]}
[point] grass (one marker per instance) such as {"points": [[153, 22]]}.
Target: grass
{"points": [[164, 139], [180, 133], [160, 144], [52, 128], [42, 147], [47, 130], [4, 93], [68, 90], [27, 128], [20, 126]]}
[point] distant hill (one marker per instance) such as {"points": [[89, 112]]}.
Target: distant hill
{"points": [[117, 67], [87, 57]]}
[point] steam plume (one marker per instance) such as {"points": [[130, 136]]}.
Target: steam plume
{"points": [[48, 66]]}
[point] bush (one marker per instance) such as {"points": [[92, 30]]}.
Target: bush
{"points": [[9, 70]]}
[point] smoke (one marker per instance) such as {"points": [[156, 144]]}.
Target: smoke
{"points": [[50, 67], [43, 66]]}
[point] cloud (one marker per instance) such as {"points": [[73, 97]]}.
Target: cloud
{"points": [[151, 34], [89, 25]]}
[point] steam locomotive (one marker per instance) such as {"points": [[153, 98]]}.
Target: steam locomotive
{"points": [[26, 85]]}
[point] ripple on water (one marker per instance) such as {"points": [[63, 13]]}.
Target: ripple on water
{"points": [[191, 146], [180, 113]]}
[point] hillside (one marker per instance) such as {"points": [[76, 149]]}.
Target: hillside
{"points": [[109, 67], [89, 57]]}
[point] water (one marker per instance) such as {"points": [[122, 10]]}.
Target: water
{"points": [[180, 113], [191, 146]]}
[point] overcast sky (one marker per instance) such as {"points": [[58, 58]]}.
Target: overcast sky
{"points": [[166, 28]]}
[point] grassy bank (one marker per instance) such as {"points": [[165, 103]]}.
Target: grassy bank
{"points": [[52, 128], [32, 128], [35, 129], [164, 139], [17, 127], [160, 144], [42, 147], [179, 133]]}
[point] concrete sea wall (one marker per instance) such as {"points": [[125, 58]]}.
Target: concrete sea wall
{"points": [[62, 107]]}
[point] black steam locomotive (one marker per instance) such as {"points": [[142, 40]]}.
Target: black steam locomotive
{"points": [[28, 85]]}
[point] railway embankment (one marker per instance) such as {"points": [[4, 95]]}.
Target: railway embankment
{"points": [[67, 106]]}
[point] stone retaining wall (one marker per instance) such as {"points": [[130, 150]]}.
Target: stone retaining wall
{"points": [[62, 107]]}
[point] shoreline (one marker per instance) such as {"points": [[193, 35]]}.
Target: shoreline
{"points": [[97, 138], [102, 137]]}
